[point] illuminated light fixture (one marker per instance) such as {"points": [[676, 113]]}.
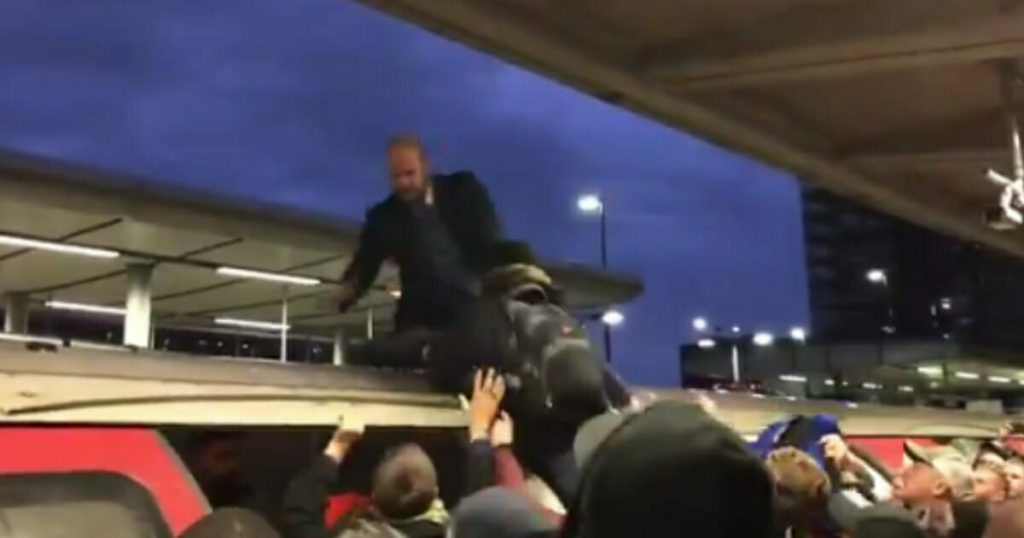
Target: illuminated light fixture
{"points": [[906, 388], [613, 318], [791, 398], [876, 276], [706, 343], [736, 329], [793, 378], [763, 339], [830, 382], [397, 294], [61, 248], [967, 375], [946, 303], [89, 308], [798, 334], [999, 379], [929, 370], [1020, 381], [871, 386], [852, 405], [757, 395], [251, 324], [590, 203], [700, 324], [272, 277]]}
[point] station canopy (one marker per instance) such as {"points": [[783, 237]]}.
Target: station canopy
{"points": [[896, 104], [191, 238]]}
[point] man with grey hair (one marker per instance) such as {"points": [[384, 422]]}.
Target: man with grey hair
{"points": [[936, 487]]}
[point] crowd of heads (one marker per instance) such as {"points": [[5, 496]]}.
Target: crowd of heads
{"points": [[672, 468]]}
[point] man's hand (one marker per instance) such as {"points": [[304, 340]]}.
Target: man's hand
{"points": [[341, 442], [836, 451], [342, 298], [501, 431], [488, 391]]}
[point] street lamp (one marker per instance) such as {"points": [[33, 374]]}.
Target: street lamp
{"points": [[763, 339], [877, 276], [706, 343], [700, 324], [798, 334], [613, 318], [591, 204]]}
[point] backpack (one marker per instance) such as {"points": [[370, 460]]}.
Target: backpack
{"points": [[543, 352]]}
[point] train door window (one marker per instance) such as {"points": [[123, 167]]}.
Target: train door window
{"points": [[80, 504]]}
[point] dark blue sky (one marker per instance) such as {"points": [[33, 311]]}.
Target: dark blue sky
{"points": [[292, 100]]}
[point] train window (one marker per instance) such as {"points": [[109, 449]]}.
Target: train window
{"points": [[84, 504]]}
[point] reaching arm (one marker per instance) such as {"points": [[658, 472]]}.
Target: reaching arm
{"points": [[365, 265], [305, 499]]}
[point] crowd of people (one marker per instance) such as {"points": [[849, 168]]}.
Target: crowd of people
{"points": [[664, 468], [602, 464]]}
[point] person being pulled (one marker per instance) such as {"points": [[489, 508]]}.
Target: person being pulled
{"points": [[437, 228], [521, 327]]}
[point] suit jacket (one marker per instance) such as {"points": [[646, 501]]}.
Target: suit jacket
{"points": [[464, 208]]}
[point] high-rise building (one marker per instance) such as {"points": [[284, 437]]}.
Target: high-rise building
{"points": [[874, 276]]}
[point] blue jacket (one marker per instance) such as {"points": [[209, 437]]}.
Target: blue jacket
{"points": [[818, 426]]}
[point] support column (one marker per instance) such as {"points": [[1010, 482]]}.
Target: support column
{"points": [[339, 347], [284, 325], [138, 305], [16, 313]]}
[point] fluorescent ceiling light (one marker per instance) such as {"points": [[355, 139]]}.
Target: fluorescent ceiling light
{"points": [[793, 378], [998, 379], [705, 343], [929, 370], [90, 308], [53, 246], [967, 375], [251, 324], [906, 388], [871, 386], [830, 382], [272, 277]]}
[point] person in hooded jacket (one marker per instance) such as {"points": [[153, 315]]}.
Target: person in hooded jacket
{"points": [[669, 470], [521, 327]]}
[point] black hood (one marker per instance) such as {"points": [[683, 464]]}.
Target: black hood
{"points": [[670, 469]]}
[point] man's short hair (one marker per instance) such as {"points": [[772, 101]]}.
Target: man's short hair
{"points": [[406, 140], [405, 483]]}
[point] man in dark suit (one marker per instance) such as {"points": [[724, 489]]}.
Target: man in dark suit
{"points": [[438, 229]]}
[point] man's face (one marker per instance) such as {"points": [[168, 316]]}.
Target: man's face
{"points": [[218, 461], [917, 483], [408, 171], [1015, 475], [988, 485]]}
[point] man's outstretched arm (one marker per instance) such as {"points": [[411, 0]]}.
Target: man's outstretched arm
{"points": [[365, 265]]}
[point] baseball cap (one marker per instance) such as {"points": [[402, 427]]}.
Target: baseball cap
{"points": [[948, 461], [671, 465], [883, 521]]}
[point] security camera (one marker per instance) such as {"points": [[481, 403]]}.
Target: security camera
{"points": [[997, 218]]}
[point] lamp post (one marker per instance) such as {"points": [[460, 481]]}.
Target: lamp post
{"points": [[593, 204]]}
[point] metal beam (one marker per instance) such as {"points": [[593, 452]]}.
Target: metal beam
{"points": [[954, 42], [484, 26], [889, 160]]}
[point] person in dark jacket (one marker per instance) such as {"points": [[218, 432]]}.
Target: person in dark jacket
{"points": [[671, 469], [438, 229]]}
